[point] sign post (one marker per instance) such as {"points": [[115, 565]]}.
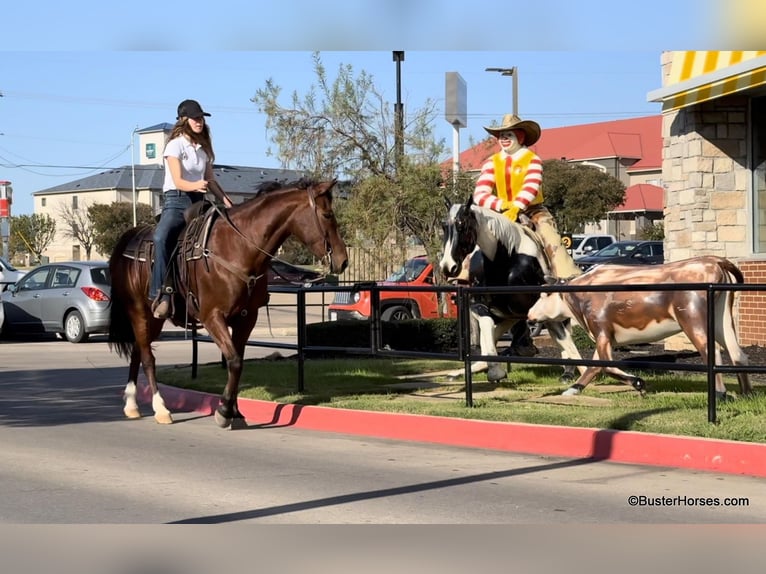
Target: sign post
{"points": [[6, 198]]}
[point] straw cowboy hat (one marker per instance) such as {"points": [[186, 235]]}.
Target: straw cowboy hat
{"points": [[514, 122]]}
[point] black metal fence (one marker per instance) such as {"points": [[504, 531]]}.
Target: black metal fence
{"points": [[463, 352]]}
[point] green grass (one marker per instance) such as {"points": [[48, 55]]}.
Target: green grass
{"points": [[674, 404]]}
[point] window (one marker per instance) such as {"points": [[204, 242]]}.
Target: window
{"points": [[75, 252], [74, 202], [758, 172], [34, 280], [43, 201], [64, 277]]}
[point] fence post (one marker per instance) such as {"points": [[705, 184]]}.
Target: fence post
{"points": [[301, 318], [464, 334], [711, 407]]}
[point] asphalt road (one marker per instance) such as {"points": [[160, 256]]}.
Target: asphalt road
{"points": [[67, 455]]}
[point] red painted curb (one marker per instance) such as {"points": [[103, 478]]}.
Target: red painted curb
{"points": [[713, 455]]}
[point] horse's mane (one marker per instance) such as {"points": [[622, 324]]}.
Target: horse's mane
{"points": [[514, 236], [505, 231], [276, 185], [273, 185]]}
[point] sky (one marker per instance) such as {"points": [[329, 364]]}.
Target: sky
{"points": [[73, 91]]}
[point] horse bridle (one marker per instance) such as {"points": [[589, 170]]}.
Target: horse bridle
{"points": [[327, 247], [250, 280]]}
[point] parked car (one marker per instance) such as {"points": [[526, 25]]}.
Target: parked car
{"points": [[395, 305], [626, 253], [8, 274], [589, 243], [71, 298]]}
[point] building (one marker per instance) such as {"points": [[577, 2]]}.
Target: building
{"points": [[714, 165], [146, 177], [630, 150]]}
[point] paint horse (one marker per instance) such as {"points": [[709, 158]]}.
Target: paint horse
{"points": [[628, 317], [503, 253], [222, 281]]}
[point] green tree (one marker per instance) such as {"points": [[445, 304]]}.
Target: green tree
{"points": [[343, 127], [655, 231], [31, 234], [111, 221], [579, 194]]}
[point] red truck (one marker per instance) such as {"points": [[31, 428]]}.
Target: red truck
{"points": [[396, 305]]}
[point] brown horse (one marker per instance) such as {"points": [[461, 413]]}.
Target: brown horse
{"points": [[222, 286]]}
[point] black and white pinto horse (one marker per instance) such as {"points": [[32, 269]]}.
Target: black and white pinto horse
{"points": [[503, 253]]}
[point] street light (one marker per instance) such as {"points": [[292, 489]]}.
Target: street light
{"points": [[510, 72], [398, 110], [133, 174]]}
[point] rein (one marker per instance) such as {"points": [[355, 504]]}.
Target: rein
{"points": [[250, 280]]}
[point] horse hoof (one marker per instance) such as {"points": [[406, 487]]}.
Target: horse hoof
{"points": [[496, 373], [571, 392], [221, 420], [723, 397], [132, 413], [163, 418], [566, 378]]}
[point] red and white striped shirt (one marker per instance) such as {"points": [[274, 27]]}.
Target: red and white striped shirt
{"points": [[523, 176]]}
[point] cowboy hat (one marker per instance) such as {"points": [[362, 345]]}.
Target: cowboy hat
{"points": [[514, 122]]}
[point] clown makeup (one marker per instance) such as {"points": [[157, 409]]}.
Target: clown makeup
{"points": [[509, 141]]}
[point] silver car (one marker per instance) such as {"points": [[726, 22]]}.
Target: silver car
{"points": [[70, 298]]}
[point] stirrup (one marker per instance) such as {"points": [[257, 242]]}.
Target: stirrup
{"points": [[161, 310]]}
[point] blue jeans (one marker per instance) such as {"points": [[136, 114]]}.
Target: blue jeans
{"points": [[166, 236]]}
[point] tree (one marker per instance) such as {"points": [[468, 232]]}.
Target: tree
{"points": [[344, 128], [579, 194], [653, 231], [111, 221], [78, 226], [31, 234]]}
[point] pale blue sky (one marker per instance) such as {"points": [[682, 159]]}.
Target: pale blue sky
{"points": [[75, 84]]}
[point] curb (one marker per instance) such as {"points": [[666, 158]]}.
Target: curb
{"points": [[713, 455]]}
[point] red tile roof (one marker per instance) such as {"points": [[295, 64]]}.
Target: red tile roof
{"points": [[643, 197], [636, 138]]}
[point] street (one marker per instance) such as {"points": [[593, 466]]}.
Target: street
{"points": [[69, 456]]}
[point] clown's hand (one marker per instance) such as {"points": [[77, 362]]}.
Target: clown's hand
{"points": [[509, 210]]}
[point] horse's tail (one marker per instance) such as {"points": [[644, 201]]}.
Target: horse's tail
{"points": [[730, 270], [121, 335]]}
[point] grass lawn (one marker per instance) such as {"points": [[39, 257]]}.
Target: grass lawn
{"points": [[674, 404]]}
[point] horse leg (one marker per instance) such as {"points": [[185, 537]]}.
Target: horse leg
{"points": [[726, 336], [147, 330], [487, 342], [129, 395], [219, 331], [603, 352], [561, 334]]}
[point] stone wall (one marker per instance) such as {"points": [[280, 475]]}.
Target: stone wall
{"points": [[707, 211]]}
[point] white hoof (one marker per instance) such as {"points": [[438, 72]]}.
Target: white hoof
{"points": [[132, 413], [163, 418], [571, 391]]}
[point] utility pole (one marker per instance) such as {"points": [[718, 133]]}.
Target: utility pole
{"points": [[6, 199], [514, 72], [133, 173], [398, 111]]}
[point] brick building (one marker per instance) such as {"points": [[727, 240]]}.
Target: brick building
{"points": [[714, 165]]}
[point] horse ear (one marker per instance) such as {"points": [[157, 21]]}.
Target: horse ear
{"points": [[447, 202], [469, 201]]}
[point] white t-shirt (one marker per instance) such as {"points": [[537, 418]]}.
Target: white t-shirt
{"points": [[193, 161]]}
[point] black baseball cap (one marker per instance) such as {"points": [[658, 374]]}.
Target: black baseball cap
{"points": [[190, 109]]}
